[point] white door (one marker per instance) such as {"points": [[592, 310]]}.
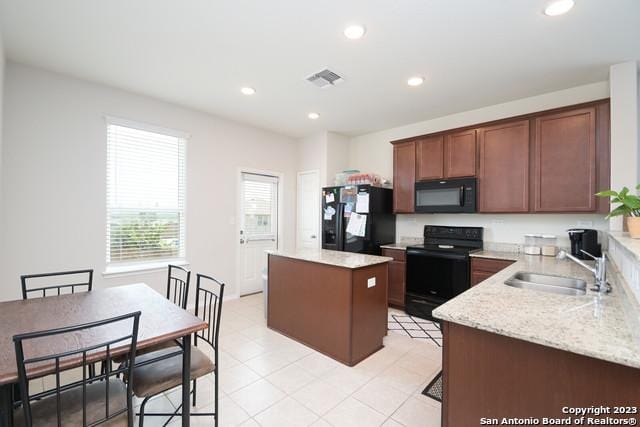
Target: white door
{"points": [[308, 231], [258, 228]]}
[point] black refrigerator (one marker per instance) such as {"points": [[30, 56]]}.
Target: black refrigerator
{"points": [[371, 210]]}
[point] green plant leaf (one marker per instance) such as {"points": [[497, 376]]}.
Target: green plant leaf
{"points": [[608, 193], [619, 211]]}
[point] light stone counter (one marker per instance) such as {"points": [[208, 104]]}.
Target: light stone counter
{"points": [[400, 246], [335, 258], [599, 327]]}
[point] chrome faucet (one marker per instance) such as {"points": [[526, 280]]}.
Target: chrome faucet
{"points": [[599, 271]]}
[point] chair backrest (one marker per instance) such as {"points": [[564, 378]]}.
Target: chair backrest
{"points": [[209, 294], [178, 280], [57, 283], [109, 334]]}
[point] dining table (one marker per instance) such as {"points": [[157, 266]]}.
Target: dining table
{"points": [[160, 321]]}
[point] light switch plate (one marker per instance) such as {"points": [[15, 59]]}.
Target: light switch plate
{"points": [[371, 282]]}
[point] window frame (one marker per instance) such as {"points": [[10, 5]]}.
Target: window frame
{"points": [[144, 265], [274, 180]]}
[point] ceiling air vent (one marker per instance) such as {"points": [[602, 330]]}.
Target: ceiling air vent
{"points": [[325, 78]]}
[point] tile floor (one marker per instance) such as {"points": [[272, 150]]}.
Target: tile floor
{"points": [[269, 380]]}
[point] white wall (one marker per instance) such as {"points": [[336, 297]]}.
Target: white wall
{"points": [[325, 151], [2, 67], [625, 151], [54, 175], [373, 153]]}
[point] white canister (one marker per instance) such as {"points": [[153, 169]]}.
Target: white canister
{"points": [[532, 244], [549, 245]]}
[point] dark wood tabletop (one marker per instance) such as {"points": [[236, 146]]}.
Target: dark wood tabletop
{"points": [[160, 321]]}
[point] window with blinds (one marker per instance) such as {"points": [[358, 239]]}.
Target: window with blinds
{"points": [[260, 200], [145, 194]]}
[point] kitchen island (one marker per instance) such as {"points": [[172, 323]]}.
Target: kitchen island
{"points": [[334, 302], [520, 353]]}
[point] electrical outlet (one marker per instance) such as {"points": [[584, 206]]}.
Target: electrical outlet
{"points": [[585, 224], [497, 222], [371, 282]]}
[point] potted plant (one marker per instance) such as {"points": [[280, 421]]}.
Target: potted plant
{"points": [[629, 207]]}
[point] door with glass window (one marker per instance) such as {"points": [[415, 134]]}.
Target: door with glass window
{"points": [[258, 228]]}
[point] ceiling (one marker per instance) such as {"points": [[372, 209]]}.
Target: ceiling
{"points": [[200, 53]]}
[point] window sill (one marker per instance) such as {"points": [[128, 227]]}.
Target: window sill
{"points": [[147, 267]]}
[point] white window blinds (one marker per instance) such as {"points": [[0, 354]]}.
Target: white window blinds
{"points": [[145, 195], [260, 203]]}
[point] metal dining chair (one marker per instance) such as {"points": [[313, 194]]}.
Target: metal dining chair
{"points": [[57, 283], [158, 377], [100, 400]]}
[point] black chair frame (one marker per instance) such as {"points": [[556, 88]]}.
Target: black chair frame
{"points": [[43, 289], [210, 313], [178, 289], [126, 368]]}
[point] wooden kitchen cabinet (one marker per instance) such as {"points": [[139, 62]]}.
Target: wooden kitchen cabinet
{"points": [[397, 274], [404, 177], [503, 179], [460, 154], [483, 268], [564, 178], [430, 158]]}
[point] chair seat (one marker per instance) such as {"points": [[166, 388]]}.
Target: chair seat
{"points": [[44, 411], [166, 374], [153, 348]]}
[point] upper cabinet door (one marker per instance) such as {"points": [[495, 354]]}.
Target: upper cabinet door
{"points": [[430, 158], [404, 177], [503, 180], [565, 161], [460, 154]]}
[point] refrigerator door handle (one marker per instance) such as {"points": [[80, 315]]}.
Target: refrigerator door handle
{"points": [[340, 227]]}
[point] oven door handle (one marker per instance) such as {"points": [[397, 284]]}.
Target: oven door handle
{"points": [[462, 195], [421, 253]]}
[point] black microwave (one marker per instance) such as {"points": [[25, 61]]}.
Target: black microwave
{"points": [[446, 196]]}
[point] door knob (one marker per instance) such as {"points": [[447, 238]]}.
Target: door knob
{"points": [[241, 241], [313, 236]]}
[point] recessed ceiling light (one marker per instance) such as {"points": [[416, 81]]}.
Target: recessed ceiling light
{"points": [[313, 116], [354, 32], [248, 91], [558, 7], [415, 81]]}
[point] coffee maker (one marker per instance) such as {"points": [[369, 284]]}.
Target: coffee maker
{"points": [[584, 240]]}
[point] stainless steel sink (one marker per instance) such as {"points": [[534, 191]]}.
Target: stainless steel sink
{"points": [[548, 283]]}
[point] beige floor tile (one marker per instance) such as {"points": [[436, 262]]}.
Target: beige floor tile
{"points": [[317, 364], [255, 331], [346, 380], [290, 378], [321, 423], [226, 361], [205, 393], [287, 412], [250, 423], [257, 397], [416, 413], [230, 413], [235, 378], [156, 404], [319, 396], [232, 339], [353, 413], [381, 396], [428, 349], [245, 351], [419, 364], [391, 423], [403, 379], [268, 363]]}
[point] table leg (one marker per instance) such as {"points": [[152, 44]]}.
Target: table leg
{"points": [[6, 405], [186, 380]]}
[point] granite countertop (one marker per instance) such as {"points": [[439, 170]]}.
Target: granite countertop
{"points": [[632, 245], [335, 258], [401, 246], [589, 325], [509, 256]]}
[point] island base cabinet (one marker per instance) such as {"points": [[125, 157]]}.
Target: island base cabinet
{"points": [[337, 311], [493, 376]]}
